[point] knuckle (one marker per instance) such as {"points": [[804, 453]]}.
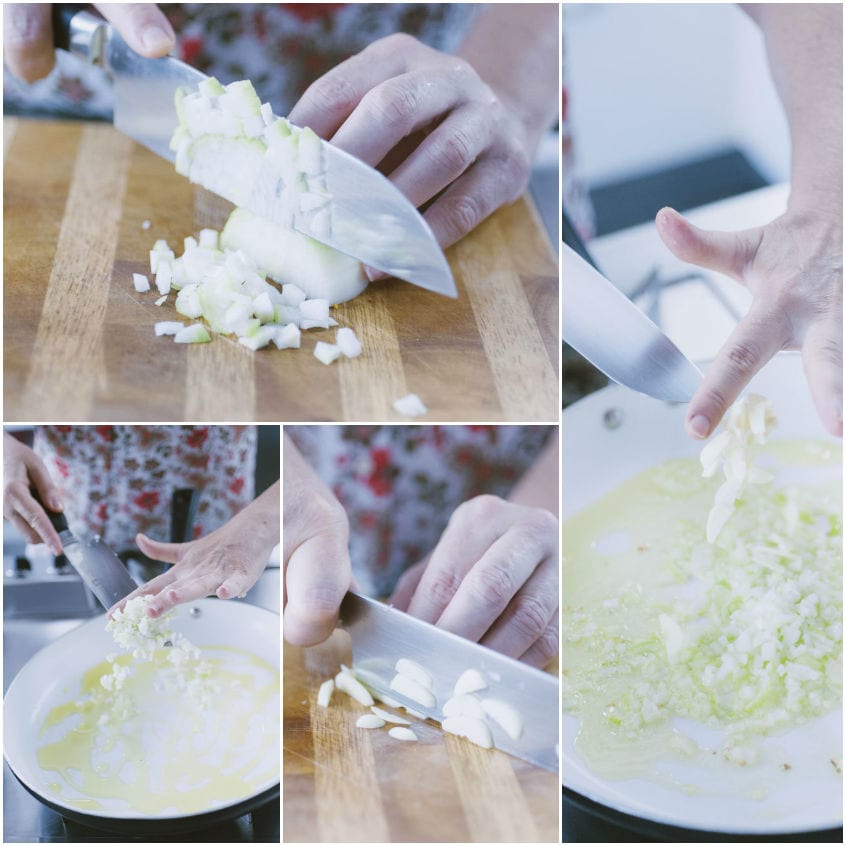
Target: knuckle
{"points": [[547, 644], [540, 524], [319, 601], [331, 94], [462, 214], [493, 585], [394, 104], [400, 42], [455, 153], [442, 586], [743, 357], [478, 509], [530, 617]]}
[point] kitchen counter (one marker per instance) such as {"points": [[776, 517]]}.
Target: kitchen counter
{"points": [[79, 341]]}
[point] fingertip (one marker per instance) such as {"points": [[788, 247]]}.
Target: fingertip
{"points": [[698, 426], [223, 592], [156, 41], [299, 632]]}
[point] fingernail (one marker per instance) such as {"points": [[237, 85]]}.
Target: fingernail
{"points": [[155, 39], [56, 503], [699, 425], [373, 274]]}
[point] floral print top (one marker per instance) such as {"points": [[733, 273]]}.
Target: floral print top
{"points": [[117, 481], [400, 484], [281, 47]]}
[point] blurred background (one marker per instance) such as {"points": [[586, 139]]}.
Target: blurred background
{"points": [[668, 105]]}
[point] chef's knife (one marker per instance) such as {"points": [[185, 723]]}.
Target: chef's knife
{"points": [[375, 223], [609, 330], [99, 568], [381, 635]]}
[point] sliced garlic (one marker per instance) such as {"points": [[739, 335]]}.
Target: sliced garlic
{"points": [[475, 730], [413, 670], [412, 689], [350, 685], [469, 682], [324, 694], [402, 733], [464, 705], [369, 721], [389, 701], [414, 713], [505, 715], [388, 717]]}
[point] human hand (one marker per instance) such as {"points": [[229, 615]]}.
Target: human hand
{"points": [[28, 49], [22, 471], [315, 553], [794, 268], [492, 578], [225, 563], [431, 123]]}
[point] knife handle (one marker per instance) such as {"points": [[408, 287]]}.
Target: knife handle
{"points": [[57, 519], [182, 511], [572, 239], [77, 31]]}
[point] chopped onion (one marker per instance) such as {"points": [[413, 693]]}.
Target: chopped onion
{"points": [[326, 353], [168, 327], [163, 277], [347, 342], [141, 282], [194, 334], [410, 405], [161, 300], [288, 337]]}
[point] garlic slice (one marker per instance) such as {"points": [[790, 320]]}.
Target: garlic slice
{"points": [[388, 717], [505, 715], [324, 694], [475, 730], [350, 685], [412, 689], [369, 721], [469, 682], [402, 733], [413, 670]]}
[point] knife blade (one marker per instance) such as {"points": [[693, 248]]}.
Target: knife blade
{"points": [[372, 220], [99, 568], [381, 635], [609, 330]]}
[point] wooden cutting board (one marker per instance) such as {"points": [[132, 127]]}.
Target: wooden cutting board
{"points": [[345, 784], [79, 342]]}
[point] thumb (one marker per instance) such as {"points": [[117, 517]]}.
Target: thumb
{"points": [[159, 550], [143, 26], [725, 252]]}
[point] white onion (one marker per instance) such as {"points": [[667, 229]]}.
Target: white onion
{"points": [[168, 327], [410, 406], [194, 334], [327, 353], [141, 282], [347, 342]]}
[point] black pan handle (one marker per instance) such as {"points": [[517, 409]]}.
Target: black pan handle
{"points": [[57, 519]]}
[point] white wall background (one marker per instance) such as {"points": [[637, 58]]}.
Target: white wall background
{"points": [[653, 85]]}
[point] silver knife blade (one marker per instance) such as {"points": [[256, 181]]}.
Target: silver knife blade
{"points": [[609, 330], [381, 635], [372, 220], [101, 570]]}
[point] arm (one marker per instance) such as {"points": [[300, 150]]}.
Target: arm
{"points": [[459, 130], [793, 265], [225, 563], [493, 575]]}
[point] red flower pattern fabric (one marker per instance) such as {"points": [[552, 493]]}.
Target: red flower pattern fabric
{"points": [[117, 481], [400, 484]]}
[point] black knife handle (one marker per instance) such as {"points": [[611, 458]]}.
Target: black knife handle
{"points": [[573, 240], [56, 518], [182, 510], [62, 14]]}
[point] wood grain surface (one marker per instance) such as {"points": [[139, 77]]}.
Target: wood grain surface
{"points": [[345, 784], [79, 342]]}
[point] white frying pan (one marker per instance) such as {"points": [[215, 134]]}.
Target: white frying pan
{"points": [[53, 675], [606, 439]]}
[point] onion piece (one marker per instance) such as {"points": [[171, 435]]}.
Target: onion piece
{"points": [[194, 334], [145, 224], [288, 337], [324, 694], [410, 406], [161, 300], [168, 327], [327, 353], [402, 733], [347, 342], [141, 282]]}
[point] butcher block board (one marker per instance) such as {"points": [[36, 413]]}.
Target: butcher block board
{"points": [[345, 784], [79, 342]]}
